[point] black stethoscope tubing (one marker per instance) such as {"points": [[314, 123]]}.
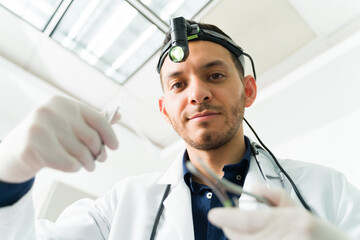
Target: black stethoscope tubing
{"points": [[159, 212], [282, 170]]}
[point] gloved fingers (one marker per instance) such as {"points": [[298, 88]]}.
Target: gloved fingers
{"points": [[60, 149], [102, 155], [276, 196], [232, 234], [100, 124], [235, 234], [79, 151], [59, 158], [242, 220], [273, 223], [89, 137]]}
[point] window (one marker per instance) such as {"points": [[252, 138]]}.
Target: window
{"points": [[110, 35], [167, 9], [115, 36], [37, 12]]}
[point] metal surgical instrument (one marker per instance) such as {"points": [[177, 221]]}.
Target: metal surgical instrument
{"points": [[222, 186]]}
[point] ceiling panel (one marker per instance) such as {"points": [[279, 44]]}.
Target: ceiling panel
{"points": [[37, 13], [269, 31], [327, 16], [110, 35]]}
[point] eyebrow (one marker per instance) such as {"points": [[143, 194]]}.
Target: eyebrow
{"points": [[173, 74], [214, 64], [205, 66]]}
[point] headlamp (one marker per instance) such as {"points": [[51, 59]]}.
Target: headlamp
{"points": [[181, 32]]}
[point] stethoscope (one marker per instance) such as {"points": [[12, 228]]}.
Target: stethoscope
{"points": [[255, 149], [280, 170]]}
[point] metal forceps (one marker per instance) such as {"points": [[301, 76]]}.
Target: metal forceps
{"points": [[109, 118], [222, 186]]}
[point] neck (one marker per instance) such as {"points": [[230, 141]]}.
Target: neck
{"points": [[230, 153]]}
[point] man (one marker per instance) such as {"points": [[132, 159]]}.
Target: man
{"points": [[204, 100]]}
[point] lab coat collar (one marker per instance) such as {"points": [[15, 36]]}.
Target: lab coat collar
{"points": [[174, 174], [178, 203]]}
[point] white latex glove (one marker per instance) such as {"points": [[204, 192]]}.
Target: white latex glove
{"points": [[286, 221], [63, 134]]}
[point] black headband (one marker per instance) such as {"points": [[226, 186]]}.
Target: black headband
{"points": [[207, 35]]}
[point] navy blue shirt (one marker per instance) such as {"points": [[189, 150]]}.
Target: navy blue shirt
{"points": [[203, 200], [12, 192]]}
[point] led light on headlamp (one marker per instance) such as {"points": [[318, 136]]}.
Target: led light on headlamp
{"points": [[177, 54]]}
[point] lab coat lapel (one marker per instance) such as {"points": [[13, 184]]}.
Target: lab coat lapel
{"points": [[254, 178], [178, 210], [177, 205]]}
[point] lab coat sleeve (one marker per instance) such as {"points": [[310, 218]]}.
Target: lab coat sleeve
{"points": [[330, 195], [17, 221], [89, 219], [85, 218], [347, 207]]}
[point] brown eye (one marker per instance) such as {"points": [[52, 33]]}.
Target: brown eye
{"points": [[216, 76], [177, 85]]}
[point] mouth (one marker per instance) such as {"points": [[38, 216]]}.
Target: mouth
{"points": [[205, 115]]}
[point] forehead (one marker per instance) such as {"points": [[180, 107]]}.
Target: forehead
{"points": [[200, 52]]}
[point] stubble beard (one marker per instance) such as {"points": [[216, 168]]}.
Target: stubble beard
{"points": [[215, 138]]}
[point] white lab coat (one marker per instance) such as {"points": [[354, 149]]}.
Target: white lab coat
{"points": [[128, 211]]}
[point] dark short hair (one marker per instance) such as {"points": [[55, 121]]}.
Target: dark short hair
{"points": [[237, 63]]}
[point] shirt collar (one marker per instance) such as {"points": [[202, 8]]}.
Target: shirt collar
{"points": [[245, 162]]}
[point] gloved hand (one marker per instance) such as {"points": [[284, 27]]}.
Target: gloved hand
{"points": [[283, 222], [63, 134]]}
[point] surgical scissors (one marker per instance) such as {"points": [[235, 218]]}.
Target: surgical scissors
{"points": [[222, 186]]}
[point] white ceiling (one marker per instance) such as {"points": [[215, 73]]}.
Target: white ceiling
{"points": [[271, 31], [280, 35]]}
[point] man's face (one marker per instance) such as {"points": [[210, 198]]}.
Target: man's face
{"points": [[204, 97]]}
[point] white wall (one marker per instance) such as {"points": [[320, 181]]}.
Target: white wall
{"points": [[313, 113]]}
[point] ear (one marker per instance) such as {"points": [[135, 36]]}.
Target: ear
{"points": [[162, 109], [250, 90]]}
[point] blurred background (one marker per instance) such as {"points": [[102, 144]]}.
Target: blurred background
{"points": [[104, 53]]}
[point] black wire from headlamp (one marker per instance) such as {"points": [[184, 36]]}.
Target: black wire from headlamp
{"points": [[181, 32], [296, 190]]}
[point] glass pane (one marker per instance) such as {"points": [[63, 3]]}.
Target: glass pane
{"points": [[110, 35], [37, 12], [167, 9]]}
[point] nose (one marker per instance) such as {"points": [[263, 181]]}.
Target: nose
{"points": [[199, 92]]}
